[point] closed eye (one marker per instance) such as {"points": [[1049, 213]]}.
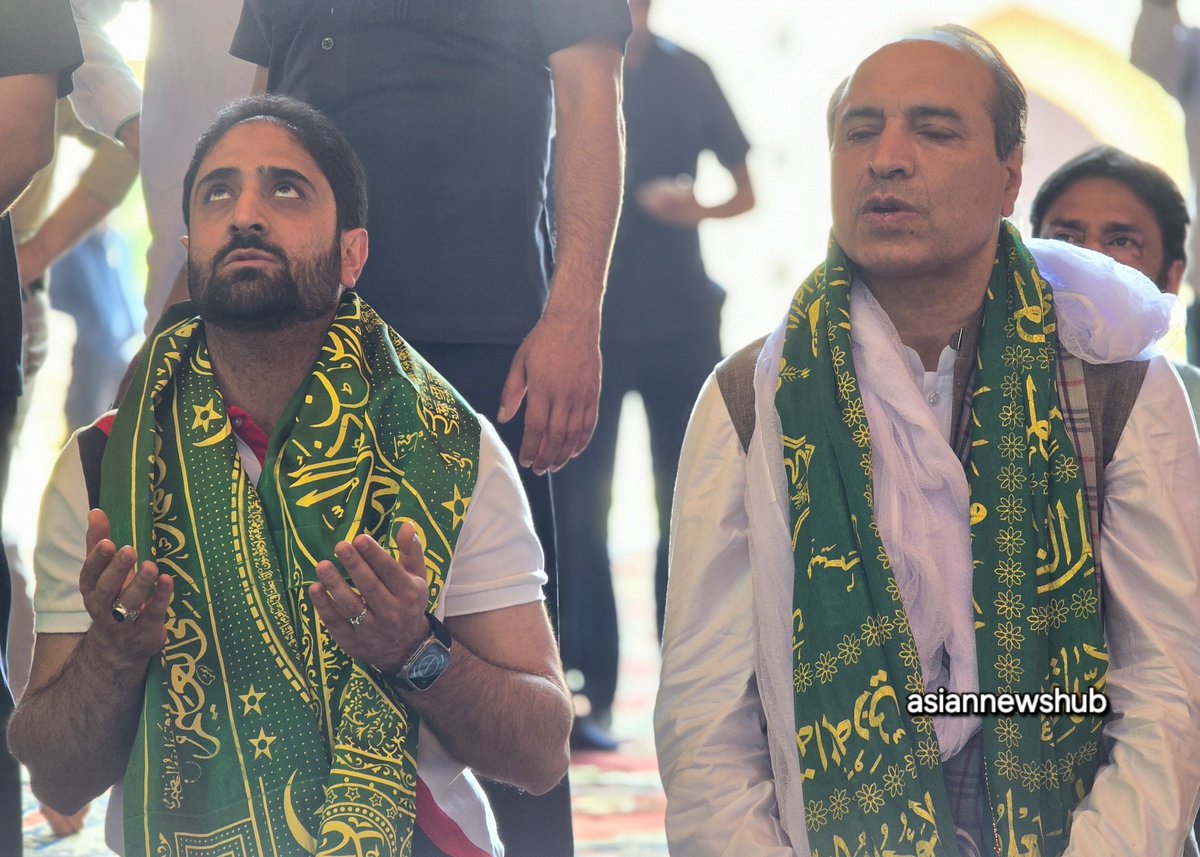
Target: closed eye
{"points": [[859, 135], [937, 134]]}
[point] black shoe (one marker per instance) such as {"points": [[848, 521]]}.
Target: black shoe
{"points": [[586, 734]]}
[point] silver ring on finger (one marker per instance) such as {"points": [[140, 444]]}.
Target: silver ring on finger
{"points": [[358, 620], [122, 613]]}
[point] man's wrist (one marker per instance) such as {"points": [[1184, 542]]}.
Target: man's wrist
{"points": [[106, 656], [425, 663], [582, 316]]}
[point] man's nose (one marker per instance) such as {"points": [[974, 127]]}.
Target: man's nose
{"points": [[248, 214], [892, 156]]}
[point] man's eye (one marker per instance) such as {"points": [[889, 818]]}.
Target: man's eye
{"points": [[1069, 237], [287, 190], [939, 134], [216, 193], [1124, 242], [858, 135]]}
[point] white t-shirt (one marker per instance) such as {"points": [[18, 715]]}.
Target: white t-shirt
{"points": [[497, 564]]}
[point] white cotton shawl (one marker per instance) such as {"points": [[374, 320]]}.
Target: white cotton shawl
{"points": [[1106, 313]]}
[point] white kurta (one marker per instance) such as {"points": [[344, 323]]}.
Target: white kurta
{"points": [[724, 719]]}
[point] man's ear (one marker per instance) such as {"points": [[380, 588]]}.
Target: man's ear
{"points": [[183, 239], [1174, 278], [1012, 187], [354, 256]]}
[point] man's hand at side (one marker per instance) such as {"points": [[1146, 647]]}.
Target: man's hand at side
{"points": [[78, 718], [559, 362], [672, 201], [559, 365]]}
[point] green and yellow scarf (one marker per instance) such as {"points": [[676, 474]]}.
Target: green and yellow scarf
{"points": [[259, 735], [871, 774]]}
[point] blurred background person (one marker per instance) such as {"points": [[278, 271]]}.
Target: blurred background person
{"points": [[1128, 209], [43, 235], [190, 75], [660, 337], [39, 48], [93, 284]]}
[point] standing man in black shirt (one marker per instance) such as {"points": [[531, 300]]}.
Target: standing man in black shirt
{"points": [[39, 48], [449, 104], [661, 336]]}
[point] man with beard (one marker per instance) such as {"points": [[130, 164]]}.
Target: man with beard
{"points": [[937, 523], [290, 504]]}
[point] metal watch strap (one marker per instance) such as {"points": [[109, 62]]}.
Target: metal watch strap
{"points": [[439, 635]]}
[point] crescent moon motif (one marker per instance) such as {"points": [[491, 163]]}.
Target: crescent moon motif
{"points": [[299, 832]]}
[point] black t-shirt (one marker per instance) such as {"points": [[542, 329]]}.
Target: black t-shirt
{"points": [[36, 37], [448, 104], [674, 110]]}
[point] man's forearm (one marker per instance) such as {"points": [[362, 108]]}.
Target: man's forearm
{"points": [[589, 167], [505, 725], [27, 139], [74, 218], [75, 732]]}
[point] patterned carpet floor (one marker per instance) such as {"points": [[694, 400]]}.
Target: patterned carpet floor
{"points": [[617, 797]]}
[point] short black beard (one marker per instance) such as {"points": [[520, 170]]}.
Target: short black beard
{"points": [[250, 301]]}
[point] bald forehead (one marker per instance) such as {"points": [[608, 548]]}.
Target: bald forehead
{"points": [[917, 68], [933, 49]]}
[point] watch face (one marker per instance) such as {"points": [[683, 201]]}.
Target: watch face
{"points": [[430, 664]]}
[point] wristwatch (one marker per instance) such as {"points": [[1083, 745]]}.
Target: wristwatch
{"points": [[428, 661]]}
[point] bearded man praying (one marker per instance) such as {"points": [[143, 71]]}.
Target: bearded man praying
{"points": [[309, 606]]}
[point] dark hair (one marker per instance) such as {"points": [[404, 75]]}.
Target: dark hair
{"points": [[1009, 104], [1149, 183], [315, 133]]}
